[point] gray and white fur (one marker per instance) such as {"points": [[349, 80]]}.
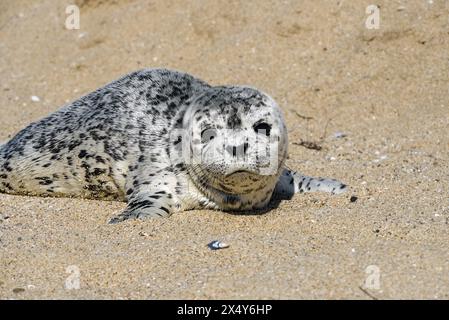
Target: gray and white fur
{"points": [[164, 142]]}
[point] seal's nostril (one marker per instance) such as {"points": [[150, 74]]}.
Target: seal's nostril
{"points": [[232, 150], [237, 151]]}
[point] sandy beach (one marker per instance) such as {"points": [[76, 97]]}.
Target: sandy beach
{"points": [[376, 102]]}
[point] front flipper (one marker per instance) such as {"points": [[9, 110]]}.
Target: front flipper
{"points": [[149, 193], [291, 182], [147, 205]]}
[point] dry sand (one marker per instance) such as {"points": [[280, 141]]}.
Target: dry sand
{"points": [[387, 89]]}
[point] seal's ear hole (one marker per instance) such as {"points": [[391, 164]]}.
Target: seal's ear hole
{"points": [[208, 135], [262, 128]]}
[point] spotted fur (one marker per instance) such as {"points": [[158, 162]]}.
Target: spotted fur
{"points": [[161, 140], [292, 182]]}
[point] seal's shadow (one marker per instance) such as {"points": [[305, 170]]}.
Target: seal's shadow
{"points": [[273, 204]]}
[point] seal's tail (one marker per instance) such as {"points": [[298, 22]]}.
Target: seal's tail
{"points": [[291, 182]]}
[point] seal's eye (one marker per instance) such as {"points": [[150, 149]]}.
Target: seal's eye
{"points": [[263, 128], [208, 135]]}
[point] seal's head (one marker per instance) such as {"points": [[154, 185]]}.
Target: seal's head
{"points": [[237, 145]]}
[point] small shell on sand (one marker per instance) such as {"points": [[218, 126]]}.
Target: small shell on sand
{"points": [[216, 245], [339, 135]]}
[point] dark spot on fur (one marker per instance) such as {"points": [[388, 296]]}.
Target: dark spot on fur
{"points": [[99, 159], [165, 209]]}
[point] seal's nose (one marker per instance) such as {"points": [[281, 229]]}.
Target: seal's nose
{"points": [[237, 151]]}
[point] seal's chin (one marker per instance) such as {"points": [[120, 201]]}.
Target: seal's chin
{"points": [[240, 173], [240, 181]]}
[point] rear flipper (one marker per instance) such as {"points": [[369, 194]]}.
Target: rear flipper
{"points": [[291, 182]]}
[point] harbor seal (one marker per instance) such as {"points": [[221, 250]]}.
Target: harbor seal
{"points": [[164, 141]]}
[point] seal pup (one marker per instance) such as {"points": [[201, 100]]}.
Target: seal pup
{"points": [[164, 141]]}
